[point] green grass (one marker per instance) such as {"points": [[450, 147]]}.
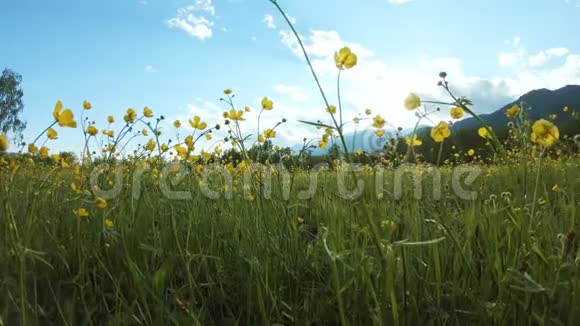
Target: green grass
{"points": [[225, 262]]}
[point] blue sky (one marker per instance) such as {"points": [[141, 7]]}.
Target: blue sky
{"points": [[176, 56]]}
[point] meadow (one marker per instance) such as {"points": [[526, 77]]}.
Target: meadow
{"points": [[150, 225]]}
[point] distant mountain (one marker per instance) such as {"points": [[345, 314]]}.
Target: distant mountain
{"points": [[539, 103]]}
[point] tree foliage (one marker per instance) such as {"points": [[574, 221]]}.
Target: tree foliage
{"points": [[11, 104]]}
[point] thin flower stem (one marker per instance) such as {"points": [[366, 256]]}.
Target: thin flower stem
{"points": [[339, 128]]}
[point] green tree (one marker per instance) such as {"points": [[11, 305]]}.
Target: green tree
{"points": [[11, 104]]}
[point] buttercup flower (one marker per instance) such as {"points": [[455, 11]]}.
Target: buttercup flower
{"points": [[565, 109], [43, 152], [456, 113], [484, 133], [147, 112], [227, 91], [267, 104], [378, 122], [544, 133], [3, 143], [130, 116], [269, 133], [64, 118], [87, 105], [471, 152], [235, 115], [197, 124], [81, 212], [412, 102], [379, 133], [100, 203], [177, 123], [345, 58], [261, 138], [368, 112], [181, 151], [32, 148], [413, 141], [331, 109], [440, 132], [108, 223], [513, 111], [150, 145], [208, 136], [111, 119], [91, 130], [51, 134], [109, 133]]}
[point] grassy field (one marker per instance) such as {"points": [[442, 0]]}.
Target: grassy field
{"points": [[508, 256]]}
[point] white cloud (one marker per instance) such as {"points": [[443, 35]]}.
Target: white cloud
{"points": [[269, 21], [193, 20], [150, 68], [558, 52], [382, 86], [293, 93]]}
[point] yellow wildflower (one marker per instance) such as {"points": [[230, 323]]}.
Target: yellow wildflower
{"points": [[368, 112], [196, 123], [111, 119], [331, 109], [144, 132], [552, 116], [379, 132], [269, 133], [456, 113], [130, 116], [81, 212], [565, 109], [471, 152], [227, 91], [236, 115], [208, 136], [177, 123], [150, 145], [267, 104], [87, 105], [260, 138], [100, 203], [513, 111], [345, 58], [412, 102], [483, 132], [108, 223], [147, 112], [51, 133], [91, 130], [440, 132], [415, 141], [32, 148], [181, 152], [64, 118], [43, 152], [3, 143], [545, 133], [378, 122]]}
